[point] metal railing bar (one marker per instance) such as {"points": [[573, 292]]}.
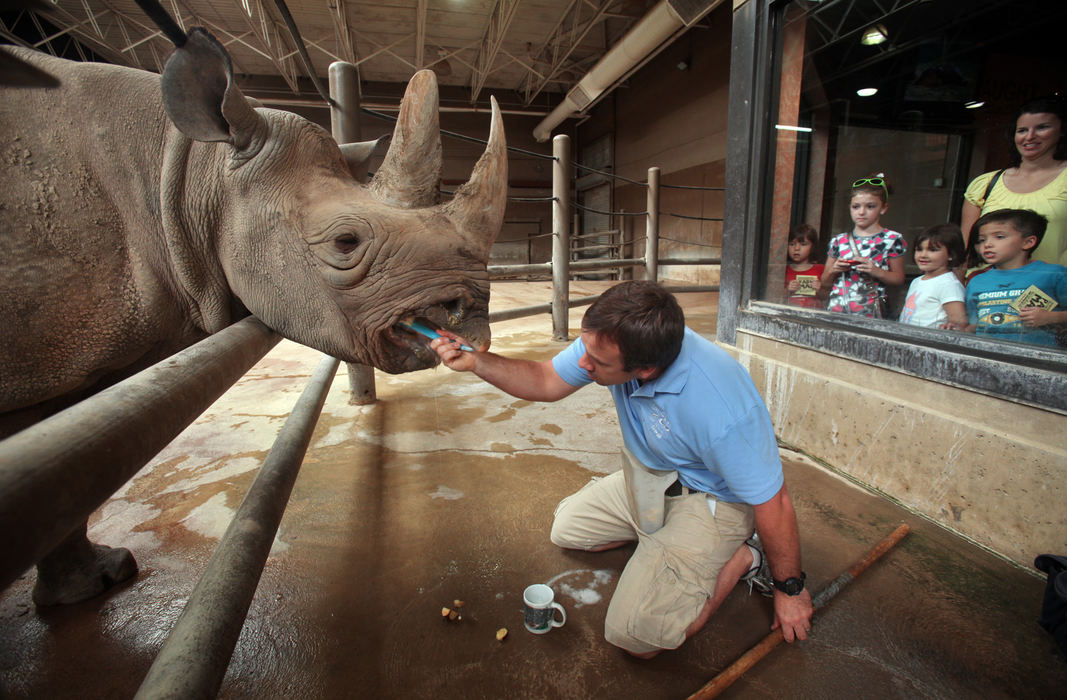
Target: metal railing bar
{"points": [[533, 310], [194, 659], [54, 474], [690, 261], [497, 271]]}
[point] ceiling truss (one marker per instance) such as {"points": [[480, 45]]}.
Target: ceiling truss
{"points": [[543, 50]]}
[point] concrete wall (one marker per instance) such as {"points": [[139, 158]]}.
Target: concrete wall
{"points": [[675, 119], [989, 469]]}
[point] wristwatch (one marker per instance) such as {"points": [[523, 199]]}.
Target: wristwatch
{"points": [[792, 585]]}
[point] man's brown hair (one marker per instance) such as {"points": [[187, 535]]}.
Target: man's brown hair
{"points": [[643, 319]]}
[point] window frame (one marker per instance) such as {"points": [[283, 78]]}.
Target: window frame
{"points": [[1011, 371]]}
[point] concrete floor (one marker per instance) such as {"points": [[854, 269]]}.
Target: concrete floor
{"points": [[444, 490]]}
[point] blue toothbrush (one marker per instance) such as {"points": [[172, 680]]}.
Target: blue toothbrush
{"points": [[430, 333]]}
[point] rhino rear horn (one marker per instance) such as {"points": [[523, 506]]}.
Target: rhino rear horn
{"points": [[477, 209], [410, 174], [201, 97]]}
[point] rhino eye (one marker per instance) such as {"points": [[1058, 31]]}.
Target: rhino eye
{"points": [[346, 243]]}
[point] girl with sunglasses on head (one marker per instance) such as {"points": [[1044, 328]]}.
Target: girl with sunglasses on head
{"points": [[862, 262]]}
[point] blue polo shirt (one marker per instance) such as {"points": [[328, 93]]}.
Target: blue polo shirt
{"points": [[702, 417]]}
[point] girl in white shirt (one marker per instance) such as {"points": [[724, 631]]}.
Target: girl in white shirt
{"points": [[936, 299]]}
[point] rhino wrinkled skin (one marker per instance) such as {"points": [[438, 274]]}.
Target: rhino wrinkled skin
{"points": [[139, 214]]}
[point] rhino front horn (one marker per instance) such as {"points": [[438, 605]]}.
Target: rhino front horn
{"points": [[410, 173], [477, 209]]}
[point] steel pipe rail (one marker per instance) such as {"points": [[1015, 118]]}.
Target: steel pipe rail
{"points": [[194, 659], [498, 271], [561, 152], [54, 474], [524, 311], [533, 310], [690, 260]]}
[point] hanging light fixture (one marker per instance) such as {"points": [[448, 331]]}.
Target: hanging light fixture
{"points": [[874, 35]]}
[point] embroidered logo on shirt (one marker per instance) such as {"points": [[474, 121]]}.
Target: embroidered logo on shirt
{"points": [[658, 423]]}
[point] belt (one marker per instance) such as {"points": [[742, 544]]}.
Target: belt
{"points": [[675, 489]]}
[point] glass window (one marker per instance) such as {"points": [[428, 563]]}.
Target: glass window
{"points": [[918, 99]]}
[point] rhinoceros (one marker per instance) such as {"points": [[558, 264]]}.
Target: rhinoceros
{"points": [[140, 213]]}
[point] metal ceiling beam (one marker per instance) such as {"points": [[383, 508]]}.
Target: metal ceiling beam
{"points": [[384, 50], [78, 28], [266, 31], [499, 22], [346, 45], [576, 22]]}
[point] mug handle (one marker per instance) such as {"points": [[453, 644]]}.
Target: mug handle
{"points": [[563, 614]]}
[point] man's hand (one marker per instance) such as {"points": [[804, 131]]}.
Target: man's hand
{"points": [[793, 614], [447, 348]]}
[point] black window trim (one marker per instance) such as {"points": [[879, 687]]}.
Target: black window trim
{"points": [[1016, 372]]}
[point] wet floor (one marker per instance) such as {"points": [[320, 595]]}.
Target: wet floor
{"points": [[444, 491]]}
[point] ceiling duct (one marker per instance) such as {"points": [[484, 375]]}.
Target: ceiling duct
{"points": [[662, 23]]}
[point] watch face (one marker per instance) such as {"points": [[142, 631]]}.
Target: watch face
{"points": [[791, 586]]}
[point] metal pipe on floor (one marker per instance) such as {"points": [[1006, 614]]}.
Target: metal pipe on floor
{"points": [[194, 659], [734, 671], [54, 474]]}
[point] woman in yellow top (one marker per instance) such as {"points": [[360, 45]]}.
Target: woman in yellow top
{"points": [[1035, 180]]}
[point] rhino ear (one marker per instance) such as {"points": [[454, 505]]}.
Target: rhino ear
{"points": [[478, 207], [411, 171], [200, 96], [358, 154]]}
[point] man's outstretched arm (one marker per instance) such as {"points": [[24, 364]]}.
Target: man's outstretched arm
{"points": [[524, 379], [776, 523]]}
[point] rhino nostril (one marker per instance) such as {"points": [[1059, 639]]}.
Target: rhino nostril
{"points": [[454, 309]]}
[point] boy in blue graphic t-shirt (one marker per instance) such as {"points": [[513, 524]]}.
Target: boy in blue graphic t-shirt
{"points": [[1017, 299]]}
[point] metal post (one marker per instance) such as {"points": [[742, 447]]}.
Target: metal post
{"points": [[344, 122], [561, 221], [54, 474], [193, 661], [652, 227]]}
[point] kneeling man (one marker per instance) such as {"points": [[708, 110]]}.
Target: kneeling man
{"points": [[700, 472]]}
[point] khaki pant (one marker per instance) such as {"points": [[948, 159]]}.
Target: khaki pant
{"points": [[672, 572]]}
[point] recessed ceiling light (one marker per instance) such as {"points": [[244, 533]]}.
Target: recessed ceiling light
{"points": [[872, 36], [867, 92], [974, 104]]}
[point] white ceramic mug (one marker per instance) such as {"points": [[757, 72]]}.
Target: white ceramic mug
{"points": [[539, 610]]}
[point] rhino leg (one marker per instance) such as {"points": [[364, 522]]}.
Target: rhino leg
{"points": [[77, 570]]}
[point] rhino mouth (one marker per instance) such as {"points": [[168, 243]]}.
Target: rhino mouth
{"points": [[414, 332]]}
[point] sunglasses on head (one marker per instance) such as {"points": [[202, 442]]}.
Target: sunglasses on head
{"points": [[873, 182]]}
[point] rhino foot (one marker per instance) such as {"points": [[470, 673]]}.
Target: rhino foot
{"points": [[77, 570]]}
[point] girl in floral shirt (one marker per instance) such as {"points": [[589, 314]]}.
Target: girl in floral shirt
{"points": [[862, 262]]}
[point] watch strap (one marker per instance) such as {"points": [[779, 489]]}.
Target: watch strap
{"points": [[791, 586]]}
